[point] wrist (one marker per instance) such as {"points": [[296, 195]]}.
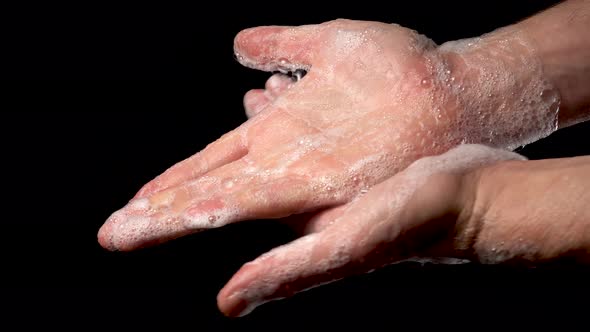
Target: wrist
{"points": [[524, 210], [501, 90]]}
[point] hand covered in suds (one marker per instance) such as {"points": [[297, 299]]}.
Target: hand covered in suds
{"points": [[376, 98], [471, 203]]}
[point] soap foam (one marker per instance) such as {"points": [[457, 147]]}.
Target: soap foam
{"points": [[502, 109]]}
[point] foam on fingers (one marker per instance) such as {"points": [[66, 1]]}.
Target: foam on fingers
{"points": [[276, 48], [228, 148]]}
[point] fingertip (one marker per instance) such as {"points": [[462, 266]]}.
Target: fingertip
{"points": [[269, 47], [248, 41], [241, 38], [254, 101], [104, 236], [231, 305], [124, 233], [237, 299], [277, 84]]}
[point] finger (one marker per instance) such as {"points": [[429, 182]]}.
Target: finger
{"points": [[228, 148], [207, 203], [273, 48], [277, 84], [244, 291], [393, 221], [313, 222], [255, 101]]}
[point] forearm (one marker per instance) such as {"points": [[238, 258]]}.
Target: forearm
{"points": [[529, 210], [562, 41], [526, 80]]}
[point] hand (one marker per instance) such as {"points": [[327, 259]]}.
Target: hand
{"points": [[360, 115], [376, 98], [473, 202]]}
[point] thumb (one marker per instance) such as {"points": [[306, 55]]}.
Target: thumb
{"points": [[277, 48]]}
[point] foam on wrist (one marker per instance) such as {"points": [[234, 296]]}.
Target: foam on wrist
{"points": [[501, 90]]}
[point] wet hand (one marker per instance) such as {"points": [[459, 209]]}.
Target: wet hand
{"points": [[368, 106], [471, 203], [375, 98]]}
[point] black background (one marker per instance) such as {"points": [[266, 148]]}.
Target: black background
{"points": [[106, 96]]}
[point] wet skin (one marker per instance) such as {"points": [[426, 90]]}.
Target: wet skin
{"points": [[376, 98]]}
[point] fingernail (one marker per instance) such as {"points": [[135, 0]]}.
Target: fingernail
{"points": [[237, 306]]}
